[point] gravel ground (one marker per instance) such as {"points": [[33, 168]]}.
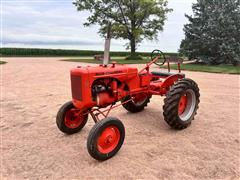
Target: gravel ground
{"points": [[33, 89]]}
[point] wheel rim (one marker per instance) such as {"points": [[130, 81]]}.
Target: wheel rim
{"points": [[73, 118], [108, 140], [182, 104], [139, 99], [187, 105]]}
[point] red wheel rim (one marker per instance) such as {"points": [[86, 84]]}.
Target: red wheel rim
{"points": [[73, 118], [108, 139], [182, 104]]}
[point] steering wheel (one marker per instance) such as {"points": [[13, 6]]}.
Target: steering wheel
{"points": [[162, 59]]}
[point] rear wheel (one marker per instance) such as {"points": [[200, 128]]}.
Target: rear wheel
{"points": [[70, 119], [105, 138], [181, 104], [138, 103]]}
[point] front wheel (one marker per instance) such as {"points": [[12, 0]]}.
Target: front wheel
{"points": [[181, 104], [105, 138], [70, 119]]}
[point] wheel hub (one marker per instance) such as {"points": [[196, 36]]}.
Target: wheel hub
{"points": [[108, 139], [182, 104], [73, 118]]}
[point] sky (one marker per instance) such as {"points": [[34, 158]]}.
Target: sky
{"points": [[57, 24]]}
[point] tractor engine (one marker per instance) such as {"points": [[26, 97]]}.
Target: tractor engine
{"points": [[105, 92]]}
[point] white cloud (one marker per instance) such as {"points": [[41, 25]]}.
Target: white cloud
{"points": [[60, 25]]}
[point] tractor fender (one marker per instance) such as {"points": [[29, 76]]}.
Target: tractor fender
{"points": [[169, 81]]}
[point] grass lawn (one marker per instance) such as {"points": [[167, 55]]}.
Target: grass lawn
{"points": [[3, 62], [228, 69]]}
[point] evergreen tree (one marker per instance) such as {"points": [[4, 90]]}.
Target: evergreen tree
{"points": [[213, 32]]}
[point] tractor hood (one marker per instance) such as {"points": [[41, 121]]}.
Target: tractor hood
{"points": [[119, 71]]}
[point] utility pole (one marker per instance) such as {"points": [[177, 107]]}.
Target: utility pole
{"points": [[107, 46]]}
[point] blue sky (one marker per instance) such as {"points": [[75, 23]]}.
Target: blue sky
{"points": [[57, 24]]}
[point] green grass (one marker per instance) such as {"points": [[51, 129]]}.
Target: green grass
{"points": [[3, 62], [228, 69]]}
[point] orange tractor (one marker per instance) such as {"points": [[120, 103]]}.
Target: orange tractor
{"points": [[97, 90]]}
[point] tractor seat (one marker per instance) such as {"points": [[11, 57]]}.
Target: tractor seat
{"points": [[164, 74]]}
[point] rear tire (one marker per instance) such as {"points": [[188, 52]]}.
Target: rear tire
{"points": [[105, 138], [69, 119], [135, 106], [181, 104]]}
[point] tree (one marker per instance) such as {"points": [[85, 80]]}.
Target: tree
{"points": [[133, 20], [213, 32]]}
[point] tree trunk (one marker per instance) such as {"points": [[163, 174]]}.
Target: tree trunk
{"points": [[133, 46]]}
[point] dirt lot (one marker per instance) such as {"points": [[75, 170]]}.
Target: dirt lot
{"points": [[33, 90]]}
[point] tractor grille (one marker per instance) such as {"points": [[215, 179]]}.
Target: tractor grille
{"points": [[76, 82]]}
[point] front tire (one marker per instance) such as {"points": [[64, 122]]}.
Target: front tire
{"points": [[69, 119], [181, 104], [105, 138]]}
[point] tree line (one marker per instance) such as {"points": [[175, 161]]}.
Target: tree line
{"points": [[61, 52]]}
